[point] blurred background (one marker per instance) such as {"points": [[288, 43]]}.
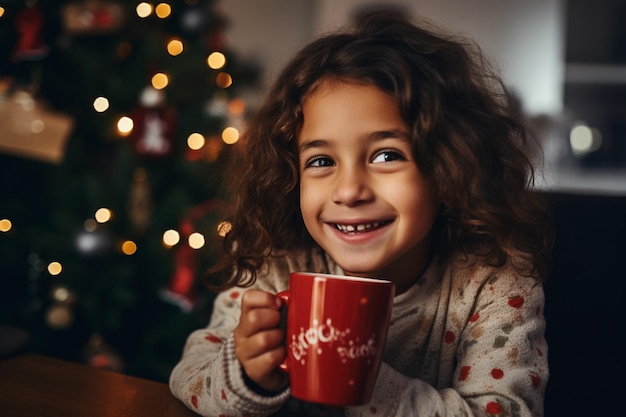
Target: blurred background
{"points": [[116, 119]]}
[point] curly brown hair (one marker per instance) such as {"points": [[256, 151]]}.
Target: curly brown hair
{"points": [[467, 137]]}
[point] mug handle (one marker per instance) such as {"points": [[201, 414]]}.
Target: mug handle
{"points": [[284, 295]]}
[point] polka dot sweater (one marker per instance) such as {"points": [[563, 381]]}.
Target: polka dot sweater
{"points": [[465, 340]]}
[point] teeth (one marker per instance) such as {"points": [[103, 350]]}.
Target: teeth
{"points": [[349, 228]]}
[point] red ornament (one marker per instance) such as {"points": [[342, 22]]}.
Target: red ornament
{"points": [[181, 288], [29, 24], [154, 126]]}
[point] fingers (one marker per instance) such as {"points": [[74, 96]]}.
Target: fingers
{"points": [[259, 339], [259, 311]]}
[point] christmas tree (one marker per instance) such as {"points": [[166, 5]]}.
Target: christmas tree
{"points": [[115, 124]]}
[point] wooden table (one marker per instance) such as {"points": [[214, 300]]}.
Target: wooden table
{"points": [[38, 386]]}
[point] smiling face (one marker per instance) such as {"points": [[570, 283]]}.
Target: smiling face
{"points": [[362, 197]]}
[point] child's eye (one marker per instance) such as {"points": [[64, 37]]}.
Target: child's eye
{"points": [[319, 161], [387, 155]]}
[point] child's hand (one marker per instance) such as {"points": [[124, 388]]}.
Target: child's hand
{"points": [[259, 340]]}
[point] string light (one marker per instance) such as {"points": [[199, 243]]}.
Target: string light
{"points": [[171, 237], [175, 47], [5, 225], [216, 60], [230, 135], [125, 125], [163, 10], [103, 215], [101, 104], [1, 11], [129, 247], [144, 9], [196, 240], [195, 141], [55, 268], [160, 81]]}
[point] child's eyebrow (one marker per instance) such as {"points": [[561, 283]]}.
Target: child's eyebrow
{"points": [[395, 133], [315, 143], [372, 137]]}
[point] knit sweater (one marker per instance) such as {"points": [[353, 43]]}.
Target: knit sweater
{"points": [[465, 340]]}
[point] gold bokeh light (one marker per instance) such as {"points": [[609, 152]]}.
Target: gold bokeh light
{"points": [[55, 268], [160, 81], [163, 10], [216, 60], [129, 247], [5, 225], [195, 141], [175, 47], [230, 135]]}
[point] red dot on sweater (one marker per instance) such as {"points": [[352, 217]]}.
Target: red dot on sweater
{"points": [[234, 294], [194, 401], [212, 338], [474, 317], [223, 395], [373, 410], [539, 352], [492, 408], [497, 373], [516, 302], [465, 370], [535, 379], [449, 337]]}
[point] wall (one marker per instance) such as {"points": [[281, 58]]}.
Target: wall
{"points": [[524, 38]]}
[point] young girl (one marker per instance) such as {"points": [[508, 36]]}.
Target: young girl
{"points": [[386, 152]]}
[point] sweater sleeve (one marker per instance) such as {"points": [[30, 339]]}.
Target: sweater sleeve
{"points": [[499, 360], [208, 379]]}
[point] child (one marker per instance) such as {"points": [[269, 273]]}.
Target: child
{"points": [[384, 152]]}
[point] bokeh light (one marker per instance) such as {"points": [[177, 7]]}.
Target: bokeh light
{"points": [[163, 10], [196, 240], [160, 81], [195, 141], [230, 135], [171, 237], [584, 139], [129, 247], [144, 9], [103, 215], [175, 47], [223, 80], [5, 225], [101, 104], [55, 268], [125, 125], [216, 60]]}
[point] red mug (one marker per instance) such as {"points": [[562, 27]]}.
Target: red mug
{"points": [[336, 329]]}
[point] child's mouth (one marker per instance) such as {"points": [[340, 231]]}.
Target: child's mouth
{"points": [[353, 229]]}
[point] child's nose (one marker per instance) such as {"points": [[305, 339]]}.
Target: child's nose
{"points": [[352, 187]]}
